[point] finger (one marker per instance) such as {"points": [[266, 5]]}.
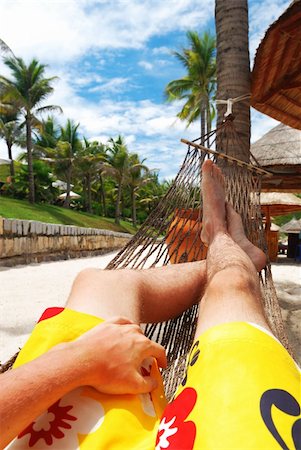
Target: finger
{"points": [[158, 352]]}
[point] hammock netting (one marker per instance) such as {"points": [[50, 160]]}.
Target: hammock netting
{"points": [[171, 235]]}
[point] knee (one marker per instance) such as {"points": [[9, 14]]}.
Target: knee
{"points": [[116, 279], [237, 278], [85, 275]]}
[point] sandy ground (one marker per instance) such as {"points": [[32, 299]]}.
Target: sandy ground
{"points": [[25, 291]]}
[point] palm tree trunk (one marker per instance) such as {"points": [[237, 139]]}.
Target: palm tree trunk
{"points": [[233, 70], [68, 190], [203, 121], [89, 193], [208, 124], [118, 201], [85, 193], [134, 209], [10, 156], [31, 197], [102, 196]]}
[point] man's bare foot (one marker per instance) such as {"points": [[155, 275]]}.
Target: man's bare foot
{"points": [[236, 231], [214, 209]]}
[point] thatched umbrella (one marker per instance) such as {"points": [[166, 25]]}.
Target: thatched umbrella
{"points": [[4, 161], [293, 226], [276, 204], [279, 152], [276, 76], [279, 204]]}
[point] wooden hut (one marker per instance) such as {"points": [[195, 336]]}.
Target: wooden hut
{"points": [[276, 75], [279, 152], [276, 204], [293, 229]]}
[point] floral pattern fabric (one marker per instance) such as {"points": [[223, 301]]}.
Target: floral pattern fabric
{"points": [[230, 397], [59, 426], [174, 431]]}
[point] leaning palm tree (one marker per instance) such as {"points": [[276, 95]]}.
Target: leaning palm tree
{"points": [[233, 69], [197, 87], [27, 90]]}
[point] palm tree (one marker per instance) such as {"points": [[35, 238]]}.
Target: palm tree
{"points": [[153, 191], [233, 69], [10, 131], [117, 167], [138, 176], [26, 91], [88, 162], [197, 88], [47, 137], [65, 153], [102, 169]]}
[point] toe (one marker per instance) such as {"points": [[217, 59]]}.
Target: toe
{"points": [[207, 166]]}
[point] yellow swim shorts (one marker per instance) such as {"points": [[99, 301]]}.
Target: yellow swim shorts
{"points": [[241, 391]]}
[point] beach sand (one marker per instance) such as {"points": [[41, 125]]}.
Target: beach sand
{"points": [[26, 291]]}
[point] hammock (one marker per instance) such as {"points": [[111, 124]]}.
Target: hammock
{"points": [[171, 234]]}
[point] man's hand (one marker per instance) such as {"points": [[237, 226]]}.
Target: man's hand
{"points": [[110, 357]]}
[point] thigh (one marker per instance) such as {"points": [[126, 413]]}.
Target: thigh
{"points": [[106, 293], [241, 391]]}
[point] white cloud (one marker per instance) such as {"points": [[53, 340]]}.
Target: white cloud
{"points": [[61, 30], [261, 124], [111, 86], [161, 50], [146, 65]]}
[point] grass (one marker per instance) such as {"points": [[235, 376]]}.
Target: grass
{"points": [[21, 209]]}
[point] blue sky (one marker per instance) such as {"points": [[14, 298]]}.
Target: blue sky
{"points": [[113, 59]]}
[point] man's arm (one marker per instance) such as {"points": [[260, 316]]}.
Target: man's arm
{"points": [[108, 358]]}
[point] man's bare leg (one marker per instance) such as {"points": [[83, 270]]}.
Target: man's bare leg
{"points": [[159, 294], [233, 291], [143, 296]]}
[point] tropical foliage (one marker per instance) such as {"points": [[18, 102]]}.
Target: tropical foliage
{"points": [[25, 92], [197, 87], [107, 178]]}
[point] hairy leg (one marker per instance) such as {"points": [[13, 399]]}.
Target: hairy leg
{"points": [[233, 291], [143, 296], [159, 294]]}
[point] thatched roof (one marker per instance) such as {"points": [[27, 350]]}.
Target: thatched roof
{"points": [[279, 146], [278, 204], [293, 226], [279, 152], [276, 76]]}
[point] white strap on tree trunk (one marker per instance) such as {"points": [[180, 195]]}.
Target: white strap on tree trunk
{"points": [[230, 102]]}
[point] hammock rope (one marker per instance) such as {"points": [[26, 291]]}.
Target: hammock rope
{"points": [[171, 234]]}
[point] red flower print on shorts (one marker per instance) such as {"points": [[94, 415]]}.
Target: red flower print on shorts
{"points": [[60, 420], [174, 432], [58, 428]]}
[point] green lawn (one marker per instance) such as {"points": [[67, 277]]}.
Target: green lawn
{"points": [[21, 209]]}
